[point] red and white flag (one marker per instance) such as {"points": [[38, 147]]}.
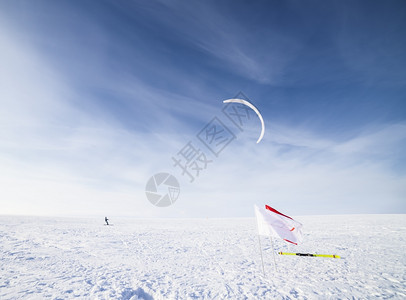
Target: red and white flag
{"points": [[272, 222]]}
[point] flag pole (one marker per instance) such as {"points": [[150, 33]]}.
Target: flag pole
{"points": [[273, 254], [260, 249], [260, 246]]}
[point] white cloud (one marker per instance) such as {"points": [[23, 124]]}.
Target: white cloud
{"points": [[57, 158], [234, 46], [314, 178]]}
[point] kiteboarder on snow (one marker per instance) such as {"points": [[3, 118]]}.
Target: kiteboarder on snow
{"points": [[106, 220]]}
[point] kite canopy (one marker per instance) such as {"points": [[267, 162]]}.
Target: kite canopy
{"points": [[250, 105]]}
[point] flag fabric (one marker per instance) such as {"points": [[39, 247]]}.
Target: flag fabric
{"points": [[273, 223]]}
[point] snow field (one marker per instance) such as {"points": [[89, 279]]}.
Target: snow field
{"points": [[66, 258]]}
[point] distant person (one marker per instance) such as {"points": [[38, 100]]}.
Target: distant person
{"points": [[106, 220]]}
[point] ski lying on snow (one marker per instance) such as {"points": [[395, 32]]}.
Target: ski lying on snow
{"points": [[309, 254]]}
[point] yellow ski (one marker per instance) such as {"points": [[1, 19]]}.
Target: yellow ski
{"points": [[309, 254]]}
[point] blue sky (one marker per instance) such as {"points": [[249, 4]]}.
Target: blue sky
{"points": [[97, 96]]}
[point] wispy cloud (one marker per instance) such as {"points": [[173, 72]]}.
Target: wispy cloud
{"points": [[309, 174], [82, 135], [370, 44], [226, 39], [53, 153]]}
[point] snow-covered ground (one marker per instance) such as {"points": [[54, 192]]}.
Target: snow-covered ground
{"points": [[63, 258]]}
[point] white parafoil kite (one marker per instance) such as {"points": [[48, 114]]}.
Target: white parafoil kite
{"points": [[250, 105]]}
